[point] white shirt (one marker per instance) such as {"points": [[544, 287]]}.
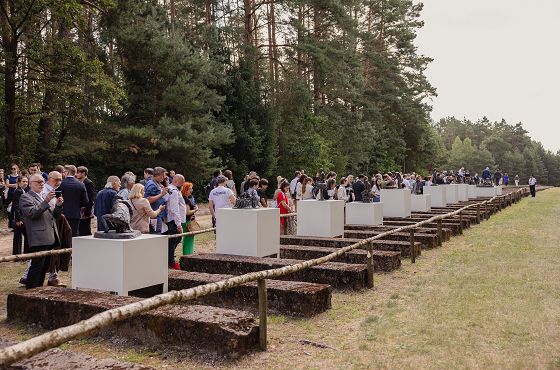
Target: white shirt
{"points": [[532, 181], [342, 195], [46, 190], [293, 185], [220, 197], [173, 207]]}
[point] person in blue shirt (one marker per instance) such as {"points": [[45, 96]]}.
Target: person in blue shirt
{"points": [[156, 193], [486, 175]]}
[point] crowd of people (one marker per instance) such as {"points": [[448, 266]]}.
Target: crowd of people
{"points": [[45, 210]]}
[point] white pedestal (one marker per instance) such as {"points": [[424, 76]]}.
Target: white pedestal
{"points": [[248, 232], [322, 218], [452, 193], [421, 202], [486, 191], [499, 190], [439, 195], [358, 213], [119, 265], [462, 192], [396, 202], [472, 191]]}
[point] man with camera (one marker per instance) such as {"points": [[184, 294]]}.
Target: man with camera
{"points": [[40, 222], [156, 193]]}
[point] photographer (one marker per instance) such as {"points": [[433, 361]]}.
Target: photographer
{"points": [[176, 215], [156, 193]]}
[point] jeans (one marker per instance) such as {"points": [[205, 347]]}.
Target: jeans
{"points": [[376, 198], [533, 190]]}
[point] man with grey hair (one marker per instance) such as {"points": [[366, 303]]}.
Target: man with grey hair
{"points": [[75, 196], [127, 182], [176, 215], [41, 223], [105, 200]]}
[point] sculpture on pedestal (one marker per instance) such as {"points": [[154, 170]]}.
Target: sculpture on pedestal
{"points": [[245, 201], [117, 223]]}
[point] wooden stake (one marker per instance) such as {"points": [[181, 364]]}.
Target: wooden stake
{"points": [[370, 265], [412, 249], [461, 222], [261, 283], [439, 232]]}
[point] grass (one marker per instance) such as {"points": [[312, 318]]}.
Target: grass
{"points": [[487, 299]]}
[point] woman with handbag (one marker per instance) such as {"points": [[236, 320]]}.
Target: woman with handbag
{"points": [[190, 223]]}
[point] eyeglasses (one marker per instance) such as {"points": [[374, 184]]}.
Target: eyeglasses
{"points": [[39, 182]]}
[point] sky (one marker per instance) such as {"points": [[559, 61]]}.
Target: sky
{"points": [[496, 58]]}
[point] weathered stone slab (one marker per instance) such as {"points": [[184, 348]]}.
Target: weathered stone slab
{"points": [[293, 298], [56, 359], [382, 260], [380, 244], [427, 240], [452, 227], [336, 274], [424, 230], [194, 328]]}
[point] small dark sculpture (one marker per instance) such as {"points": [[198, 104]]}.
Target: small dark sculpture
{"points": [[318, 190], [117, 223], [366, 194], [246, 200]]}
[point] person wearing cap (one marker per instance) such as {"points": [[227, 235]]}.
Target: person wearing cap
{"points": [[220, 197]]}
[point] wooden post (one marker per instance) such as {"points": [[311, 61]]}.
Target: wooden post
{"points": [[261, 283], [461, 222], [439, 232], [370, 265], [412, 247], [478, 212]]}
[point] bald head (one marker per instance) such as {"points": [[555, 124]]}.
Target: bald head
{"points": [[178, 180], [55, 178]]}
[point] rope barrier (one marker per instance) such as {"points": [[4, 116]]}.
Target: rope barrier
{"points": [[30, 347]]}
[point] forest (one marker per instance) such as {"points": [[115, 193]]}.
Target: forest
{"points": [[264, 85]]}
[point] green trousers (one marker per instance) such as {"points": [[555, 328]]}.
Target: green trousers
{"points": [[188, 241]]}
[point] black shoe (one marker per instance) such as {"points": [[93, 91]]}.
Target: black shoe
{"points": [[23, 281]]}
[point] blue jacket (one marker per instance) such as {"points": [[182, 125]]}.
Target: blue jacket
{"points": [[75, 197], [103, 204]]}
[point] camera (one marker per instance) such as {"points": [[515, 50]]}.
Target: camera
{"points": [[58, 193]]}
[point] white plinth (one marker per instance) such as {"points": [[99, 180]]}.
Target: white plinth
{"points": [[119, 265], [421, 202], [396, 202], [472, 191], [323, 218], [486, 191], [248, 232], [452, 192], [439, 195], [462, 192], [499, 190], [358, 213]]}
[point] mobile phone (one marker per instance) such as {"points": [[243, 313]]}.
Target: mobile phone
{"points": [[58, 193]]}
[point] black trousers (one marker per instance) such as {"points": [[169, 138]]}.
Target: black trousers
{"points": [[85, 227], [74, 225], [533, 190], [39, 267], [172, 242], [19, 236]]}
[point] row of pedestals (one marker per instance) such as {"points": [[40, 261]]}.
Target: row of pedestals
{"points": [[124, 265]]}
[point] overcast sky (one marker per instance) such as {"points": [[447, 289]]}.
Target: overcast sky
{"points": [[496, 58]]}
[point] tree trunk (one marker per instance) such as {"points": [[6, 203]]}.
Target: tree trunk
{"points": [[9, 45]]}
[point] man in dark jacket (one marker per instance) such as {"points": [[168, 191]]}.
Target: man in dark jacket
{"points": [[87, 211], [106, 199], [75, 197], [359, 188]]}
